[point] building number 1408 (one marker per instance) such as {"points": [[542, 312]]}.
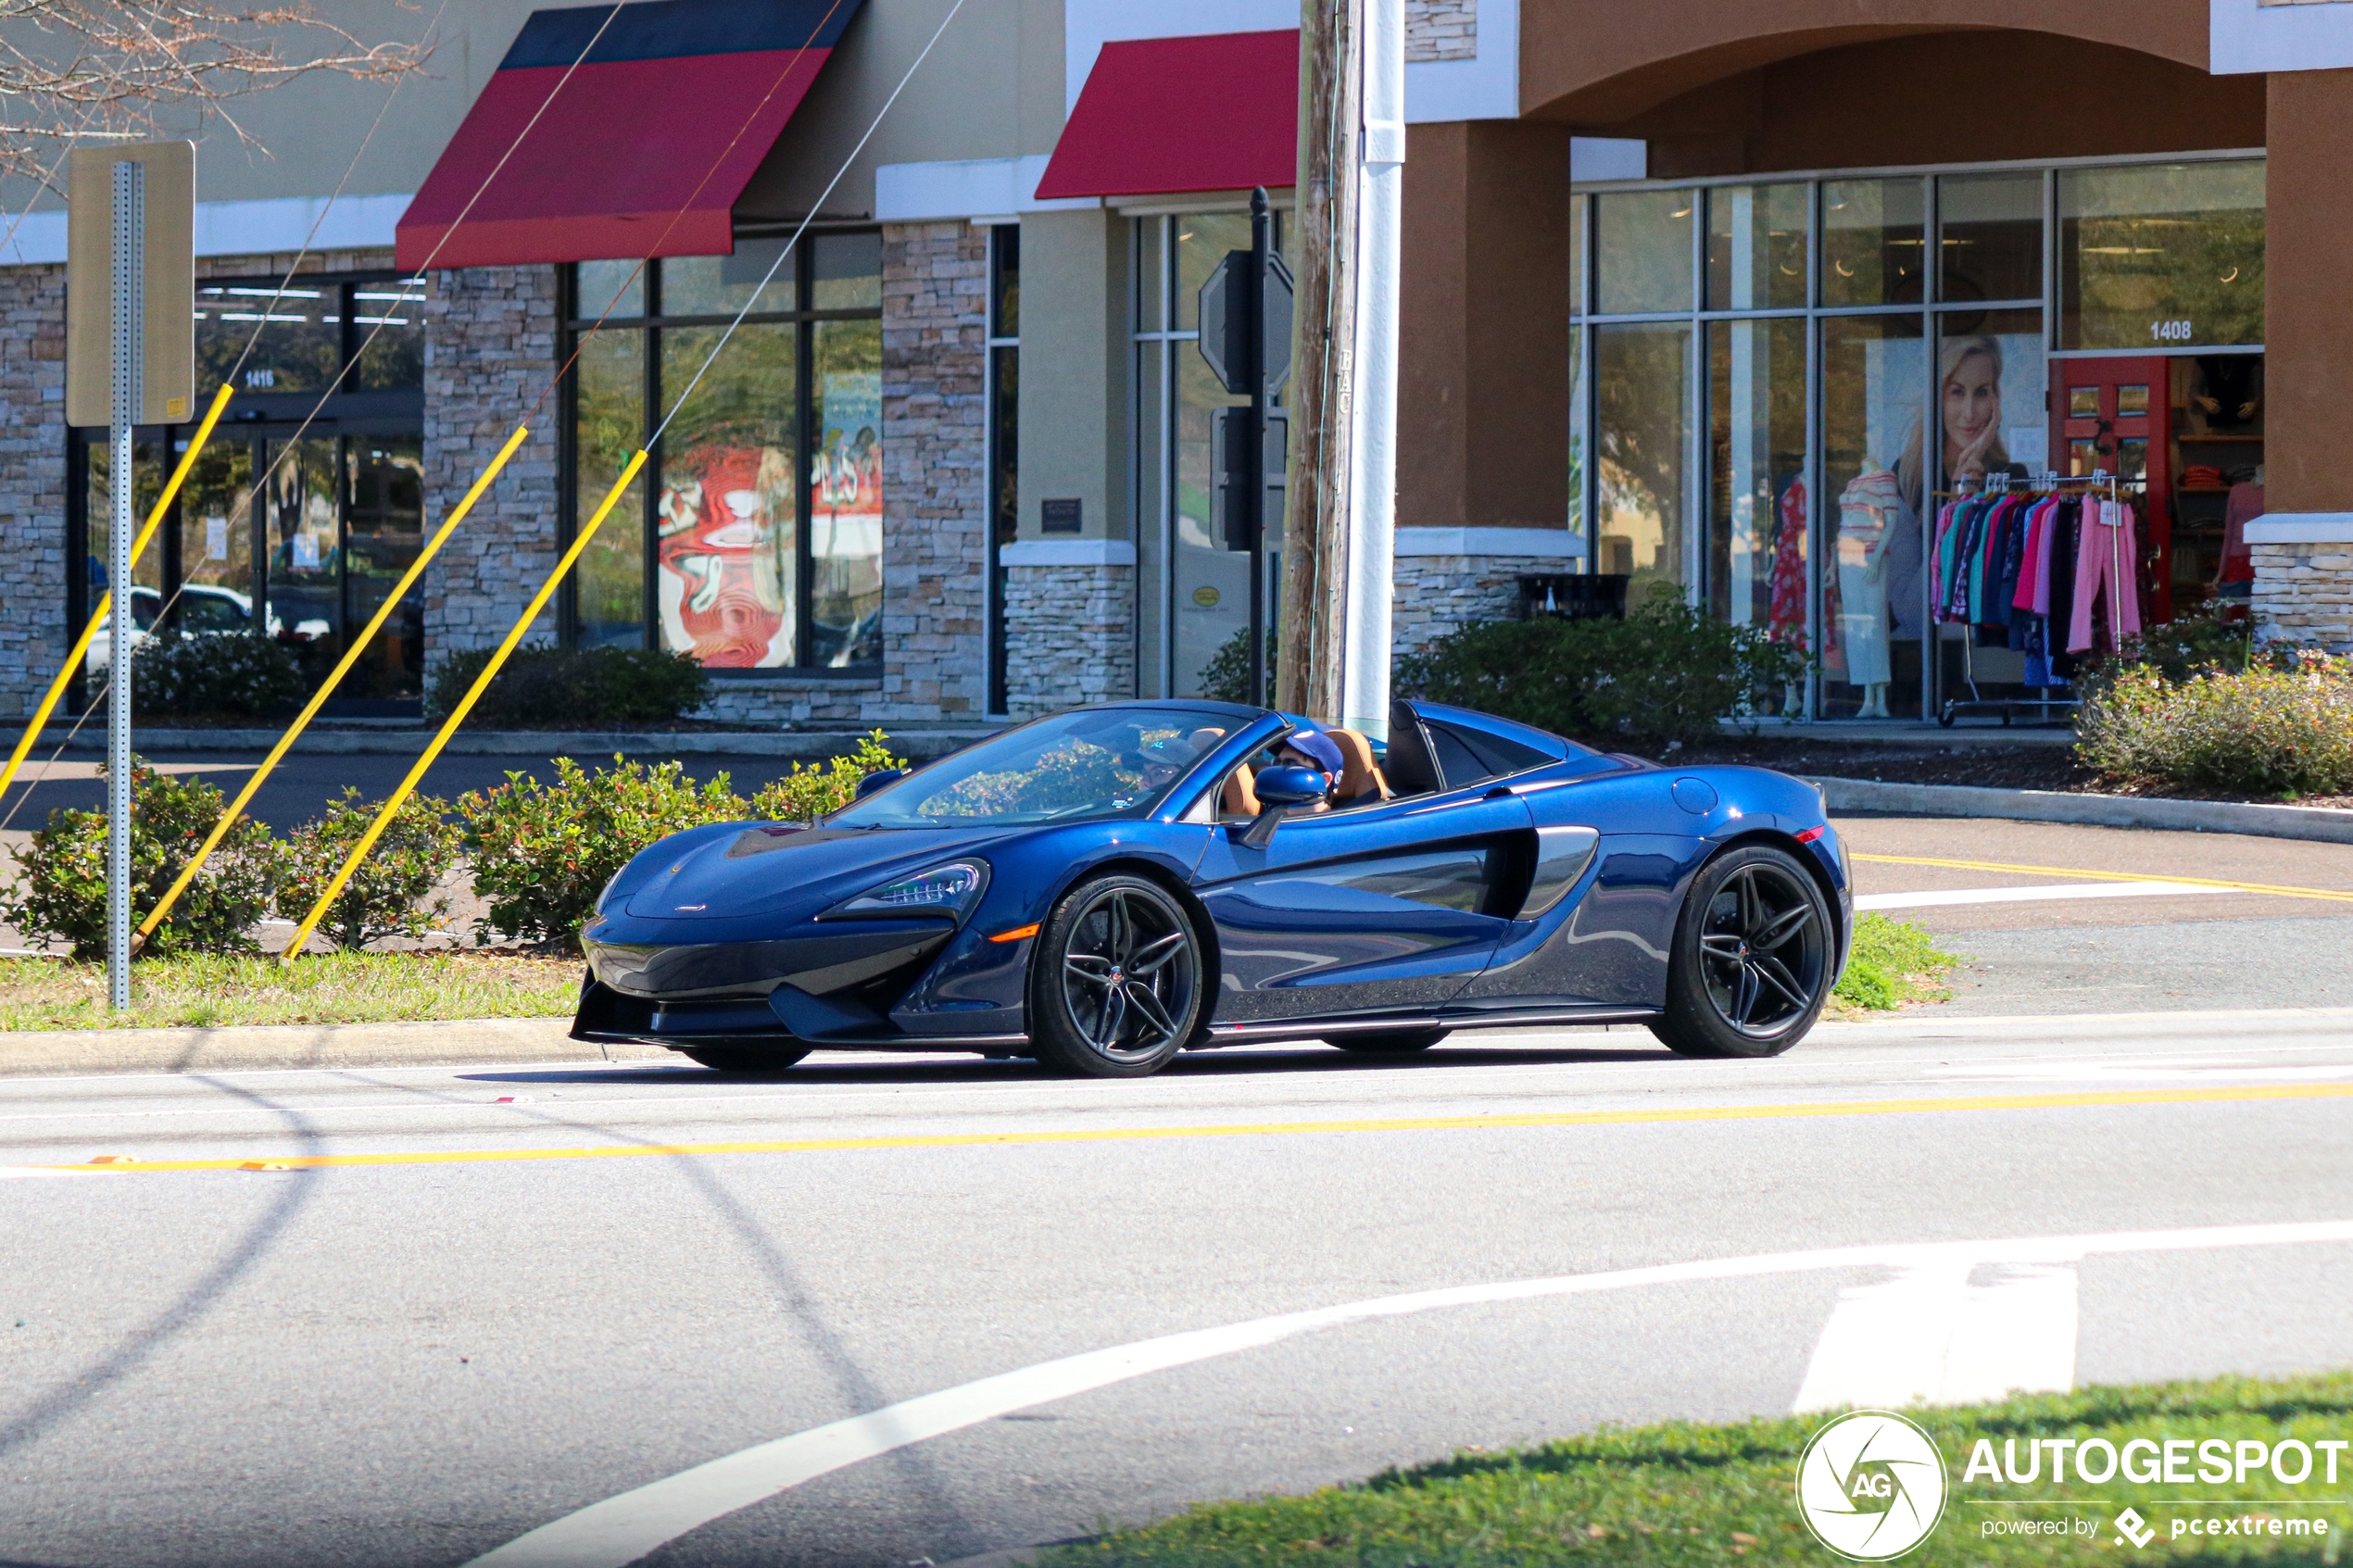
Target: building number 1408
{"points": [[2169, 332]]}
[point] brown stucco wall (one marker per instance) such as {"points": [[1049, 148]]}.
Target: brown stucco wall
{"points": [[2307, 295], [1601, 62], [1483, 393], [1956, 97]]}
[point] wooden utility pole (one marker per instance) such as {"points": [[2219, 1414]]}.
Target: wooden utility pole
{"points": [[1323, 334]]}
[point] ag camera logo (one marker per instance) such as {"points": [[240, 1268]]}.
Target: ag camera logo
{"points": [[1871, 1485]]}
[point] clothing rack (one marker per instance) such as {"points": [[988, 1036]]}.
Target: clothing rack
{"points": [[2046, 710]]}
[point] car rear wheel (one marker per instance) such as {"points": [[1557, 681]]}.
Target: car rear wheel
{"points": [[748, 1060], [1753, 957], [1391, 1042], [1115, 979]]}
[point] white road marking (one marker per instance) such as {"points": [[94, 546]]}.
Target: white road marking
{"points": [[621, 1529], [1931, 898], [1929, 1334], [2142, 1072]]}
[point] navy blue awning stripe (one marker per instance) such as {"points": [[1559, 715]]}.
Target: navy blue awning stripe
{"points": [[662, 29]]}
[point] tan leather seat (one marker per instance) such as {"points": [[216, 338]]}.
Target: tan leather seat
{"points": [[1359, 780]]}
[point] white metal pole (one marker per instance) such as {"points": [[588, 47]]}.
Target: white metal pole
{"points": [[130, 270], [1372, 513]]}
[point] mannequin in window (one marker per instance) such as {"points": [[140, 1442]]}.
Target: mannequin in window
{"points": [[1870, 513]]}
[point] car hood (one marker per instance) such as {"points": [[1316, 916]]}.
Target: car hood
{"points": [[782, 868]]}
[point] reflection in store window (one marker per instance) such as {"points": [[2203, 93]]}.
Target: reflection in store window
{"points": [[726, 515], [1640, 393], [1643, 242], [1755, 247], [1990, 236], [1757, 512], [1872, 240], [2158, 256]]}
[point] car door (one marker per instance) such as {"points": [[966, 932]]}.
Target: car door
{"points": [[1371, 909]]}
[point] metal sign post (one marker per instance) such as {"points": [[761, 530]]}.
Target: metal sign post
{"points": [[129, 324], [130, 360]]}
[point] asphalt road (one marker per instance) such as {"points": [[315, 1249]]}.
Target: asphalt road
{"points": [[448, 1333]]}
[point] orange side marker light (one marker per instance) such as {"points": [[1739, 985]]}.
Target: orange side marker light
{"points": [[1016, 934]]}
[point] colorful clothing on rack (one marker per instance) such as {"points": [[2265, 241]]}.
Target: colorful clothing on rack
{"points": [[2107, 578], [1786, 613]]}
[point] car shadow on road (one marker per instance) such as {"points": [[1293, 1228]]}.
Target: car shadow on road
{"points": [[816, 1071]]}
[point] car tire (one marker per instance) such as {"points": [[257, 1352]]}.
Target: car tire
{"points": [[1115, 979], [750, 1061], [1390, 1042], [1756, 956]]}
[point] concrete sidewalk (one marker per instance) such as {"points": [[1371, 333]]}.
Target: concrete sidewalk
{"points": [[70, 1052]]}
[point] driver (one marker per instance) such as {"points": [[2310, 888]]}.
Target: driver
{"points": [[1316, 751]]}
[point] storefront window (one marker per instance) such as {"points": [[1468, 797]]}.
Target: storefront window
{"points": [[2160, 257], [1577, 422], [1874, 485], [785, 424], [1642, 391], [1004, 437], [1990, 234], [1643, 242], [1756, 247], [280, 338], [1873, 239], [1757, 511], [1194, 618], [609, 422]]}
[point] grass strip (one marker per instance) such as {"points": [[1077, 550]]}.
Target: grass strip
{"points": [[211, 991], [1893, 962], [1687, 1492]]}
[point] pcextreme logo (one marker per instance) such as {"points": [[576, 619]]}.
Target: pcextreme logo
{"points": [[1871, 1485]]}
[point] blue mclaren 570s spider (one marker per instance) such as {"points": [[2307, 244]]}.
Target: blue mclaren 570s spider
{"points": [[1108, 886]]}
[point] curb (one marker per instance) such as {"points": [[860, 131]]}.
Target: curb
{"points": [[492, 1041], [2326, 824], [919, 746]]}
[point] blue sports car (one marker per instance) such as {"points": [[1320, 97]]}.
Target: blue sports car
{"points": [[1105, 887]]}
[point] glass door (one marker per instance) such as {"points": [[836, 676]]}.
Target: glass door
{"points": [[383, 529], [302, 533], [2114, 415]]}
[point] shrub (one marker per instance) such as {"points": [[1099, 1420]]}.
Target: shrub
{"points": [[2264, 731], [541, 855], [809, 792], [541, 687], [1667, 672], [61, 872], [1227, 676], [388, 895], [218, 672]]}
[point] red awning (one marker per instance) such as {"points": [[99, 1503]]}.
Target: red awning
{"points": [[640, 147], [1164, 116]]}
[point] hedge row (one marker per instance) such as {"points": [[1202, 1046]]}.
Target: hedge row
{"points": [[537, 854]]}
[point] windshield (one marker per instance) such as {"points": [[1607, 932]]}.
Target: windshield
{"points": [[1095, 762]]}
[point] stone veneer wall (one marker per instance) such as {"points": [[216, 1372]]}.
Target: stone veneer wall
{"points": [[1437, 594], [935, 472], [34, 633], [490, 351], [1441, 30], [1070, 636], [2304, 592]]}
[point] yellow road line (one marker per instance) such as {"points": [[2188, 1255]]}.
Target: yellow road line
{"points": [[1243, 1129], [2335, 896]]}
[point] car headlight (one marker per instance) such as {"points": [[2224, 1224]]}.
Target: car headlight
{"points": [[951, 889]]}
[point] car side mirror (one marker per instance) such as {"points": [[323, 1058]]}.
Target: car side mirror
{"points": [[1280, 792], [876, 778]]}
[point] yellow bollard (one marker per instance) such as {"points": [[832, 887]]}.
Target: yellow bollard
{"points": [[465, 705], [343, 667], [105, 601]]}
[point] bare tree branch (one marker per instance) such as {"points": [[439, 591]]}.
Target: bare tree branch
{"points": [[103, 70]]}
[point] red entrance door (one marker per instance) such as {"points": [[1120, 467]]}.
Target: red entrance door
{"points": [[2116, 415]]}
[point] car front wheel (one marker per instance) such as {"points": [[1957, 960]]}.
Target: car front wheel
{"points": [[1753, 957], [1115, 979]]}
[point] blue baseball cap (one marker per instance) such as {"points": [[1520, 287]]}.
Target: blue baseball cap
{"points": [[1318, 744]]}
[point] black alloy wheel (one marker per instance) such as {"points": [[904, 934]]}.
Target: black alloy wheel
{"points": [[1753, 959], [1115, 979]]}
